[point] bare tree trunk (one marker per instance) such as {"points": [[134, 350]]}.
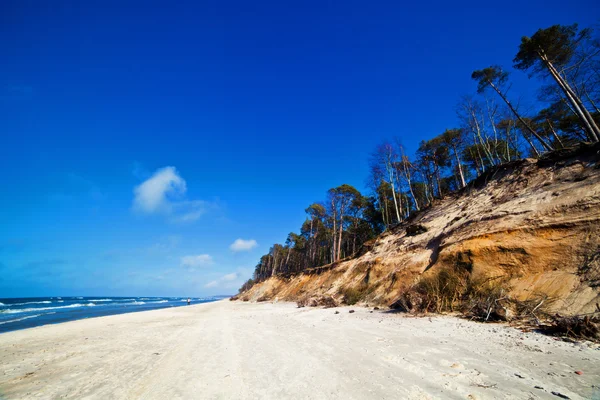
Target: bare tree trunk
{"points": [[287, 258], [555, 134], [334, 231], [439, 183], [407, 175], [274, 271], [478, 159], [537, 153], [525, 124], [580, 109], [382, 210], [592, 102], [339, 248], [390, 171], [460, 170], [492, 118], [477, 131]]}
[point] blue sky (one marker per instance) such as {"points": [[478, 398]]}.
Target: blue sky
{"points": [[141, 140]]}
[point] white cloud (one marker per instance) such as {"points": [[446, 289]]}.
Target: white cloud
{"points": [[152, 195], [243, 245], [200, 260], [230, 277], [164, 193], [226, 281], [188, 211]]}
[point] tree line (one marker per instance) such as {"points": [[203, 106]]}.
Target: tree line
{"points": [[491, 130]]}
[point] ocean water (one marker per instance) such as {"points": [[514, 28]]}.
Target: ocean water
{"points": [[20, 313]]}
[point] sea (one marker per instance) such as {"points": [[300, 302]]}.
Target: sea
{"points": [[21, 313]]}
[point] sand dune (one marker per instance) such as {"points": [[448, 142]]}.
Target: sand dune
{"points": [[233, 350]]}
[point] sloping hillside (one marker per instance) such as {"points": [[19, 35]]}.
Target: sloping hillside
{"points": [[532, 224]]}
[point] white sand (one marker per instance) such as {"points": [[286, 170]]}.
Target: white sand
{"points": [[228, 350]]}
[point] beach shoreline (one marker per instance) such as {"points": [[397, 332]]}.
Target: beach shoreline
{"points": [[240, 350], [23, 313]]}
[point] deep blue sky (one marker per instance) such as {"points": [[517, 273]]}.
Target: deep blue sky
{"points": [[260, 107]]}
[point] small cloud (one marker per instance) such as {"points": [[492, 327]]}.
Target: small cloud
{"points": [[163, 193], [243, 245], [189, 211], [230, 277], [226, 281], [200, 260], [152, 195]]}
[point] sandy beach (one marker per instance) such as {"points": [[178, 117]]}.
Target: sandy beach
{"points": [[234, 350]]}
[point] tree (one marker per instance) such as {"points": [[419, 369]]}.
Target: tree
{"points": [[509, 149], [433, 156], [470, 112], [384, 160], [316, 231], [453, 139], [549, 51], [247, 285], [494, 77], [490, 134], [340, 199]]}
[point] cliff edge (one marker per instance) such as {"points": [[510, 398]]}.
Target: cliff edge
{"points": [[530, 226]]}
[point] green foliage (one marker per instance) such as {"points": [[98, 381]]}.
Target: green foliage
{"points": [[489, 135], [247, 285], [493, 75], [557, 44]]}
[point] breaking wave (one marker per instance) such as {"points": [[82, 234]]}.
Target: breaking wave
{"points": [[30, 302], [24, 310], [20, 319]]}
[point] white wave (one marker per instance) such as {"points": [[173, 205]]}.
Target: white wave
{"points": [[30, 302], [133, 303], [1, 304], [160, 301], [19, 319], [123, 299], [60, 301], [98, 300], [24, 310]]}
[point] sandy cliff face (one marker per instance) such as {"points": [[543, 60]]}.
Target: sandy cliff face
{"points": [[535, 224]]}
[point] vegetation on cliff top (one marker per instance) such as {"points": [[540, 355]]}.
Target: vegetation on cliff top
{"points": [[492, 131]]}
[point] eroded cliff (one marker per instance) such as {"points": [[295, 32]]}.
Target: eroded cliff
{"points": [[533, 224]]}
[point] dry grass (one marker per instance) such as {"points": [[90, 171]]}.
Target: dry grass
{"points": [[453, 290], [353, 295], [580, 327], [534, 308], [487, 300], [437, 293]]}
